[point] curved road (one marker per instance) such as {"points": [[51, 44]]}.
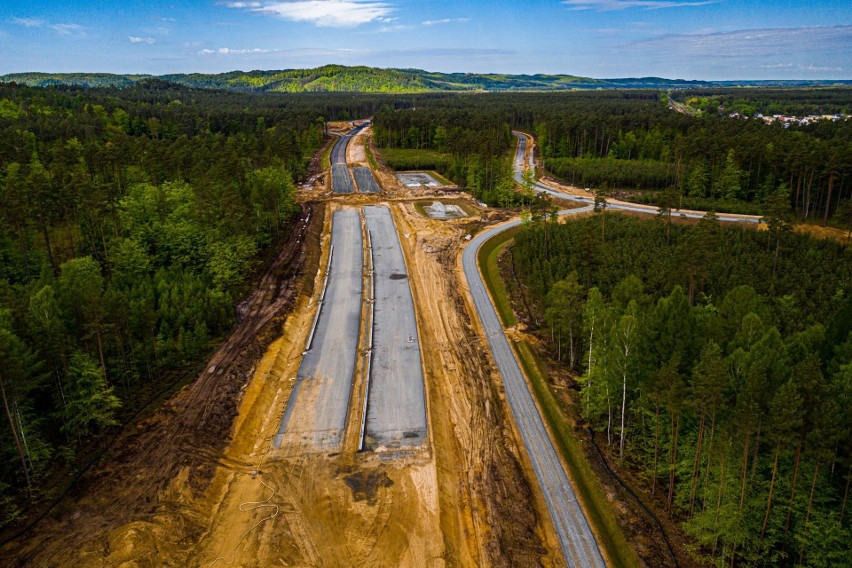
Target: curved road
{"points": [[621, 206], [575, 536]]}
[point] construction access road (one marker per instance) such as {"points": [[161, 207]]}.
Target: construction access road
{"points": [[396, 406], [341, 177], [575, 535], [321, 395], [564, 193]]}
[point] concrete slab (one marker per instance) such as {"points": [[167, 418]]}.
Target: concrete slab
{"points": [[365, 180], [417, 179], [396, 404], [316, 412], [444, 211]]}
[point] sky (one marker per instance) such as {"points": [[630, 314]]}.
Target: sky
{"points": [[682, 39]]}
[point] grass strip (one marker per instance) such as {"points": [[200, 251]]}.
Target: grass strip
{"points": [[586, 482], [487, 259], [370, 157], [325, 161]]}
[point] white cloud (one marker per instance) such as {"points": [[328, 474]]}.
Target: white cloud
{"points": [[756, 42], [136, 39], [230, 51], [322, 13], [68, 30], [29, 22], [394, 28], [445, 21], [612, 5]]}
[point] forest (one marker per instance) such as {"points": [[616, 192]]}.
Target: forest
{"points": [[632, 143], [131, 220], [468, 145], [715, 362], [362, 79]]}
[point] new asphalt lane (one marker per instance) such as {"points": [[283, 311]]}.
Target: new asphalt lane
{"points": [[365, 180], [317, 408], [396, 405], [575, 536], [341, 178]]}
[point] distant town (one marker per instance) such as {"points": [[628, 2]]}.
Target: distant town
{"points": [[788, 120]]}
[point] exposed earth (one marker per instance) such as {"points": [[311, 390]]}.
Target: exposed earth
{"points": [[199, 483]]}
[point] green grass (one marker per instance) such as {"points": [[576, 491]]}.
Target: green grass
{"points": [[415, 159], [325, 162], [589, 489], [370, 157], [487, 259]]}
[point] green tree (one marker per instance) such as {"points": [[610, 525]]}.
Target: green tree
{"points": [[696, 184], [730, 181], [778, 219], [81, 290], [564, 314], [91, 403]]}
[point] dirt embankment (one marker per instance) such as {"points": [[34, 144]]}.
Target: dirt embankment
{"points": [[146, 500], [485, 489]]}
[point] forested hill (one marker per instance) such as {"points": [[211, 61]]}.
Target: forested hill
{"points": [[339, 78]]}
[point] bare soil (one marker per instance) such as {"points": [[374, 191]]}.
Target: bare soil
{"points": [[145, 501], [198, 483]]}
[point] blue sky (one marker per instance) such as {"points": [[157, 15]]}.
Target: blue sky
{"points": [[690, 39]]}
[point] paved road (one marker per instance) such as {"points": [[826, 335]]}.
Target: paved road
{"points": [[541, 188], [365, 180], [396, 406], [578, 542], [341, 178], [316, 411], [575, 536], [338, 153]]}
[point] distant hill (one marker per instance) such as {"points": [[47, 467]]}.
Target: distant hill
{"points": [[339, 78]]}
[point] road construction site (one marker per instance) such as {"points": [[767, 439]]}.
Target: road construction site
{"points": [[362, 419]]}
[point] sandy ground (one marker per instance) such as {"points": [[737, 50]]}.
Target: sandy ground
{"points": [[200, 484], [356, 155]]}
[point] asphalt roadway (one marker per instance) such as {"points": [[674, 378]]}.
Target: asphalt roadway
{"points": [[575, 536], [365, 180], [341, 179], [541, 188], [396, 405], [316, 412]]}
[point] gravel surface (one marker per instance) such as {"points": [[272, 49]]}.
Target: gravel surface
{"points": [[365, 180], [341, 179], [396, 406], [316, 411]]}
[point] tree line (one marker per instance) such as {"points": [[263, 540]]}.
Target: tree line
{"points": [[632, 140], [130, 220], [716, 362], [477, 143]]}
